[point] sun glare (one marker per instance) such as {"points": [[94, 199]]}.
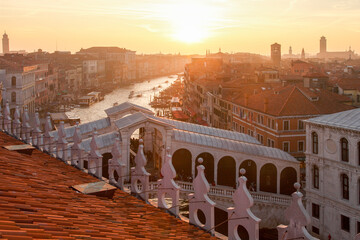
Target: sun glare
{"points": [[190, 21]]}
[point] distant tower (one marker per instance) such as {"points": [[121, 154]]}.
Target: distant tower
{"points": [[5, 43], [290, 50], [303, 54], [276, 54], [322, 44]]}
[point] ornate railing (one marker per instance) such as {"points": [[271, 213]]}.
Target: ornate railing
{"points": [[225, 192]]}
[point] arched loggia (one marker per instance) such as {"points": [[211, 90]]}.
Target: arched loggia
{"points": [[181, 161], [268, 180], [226, 172], [251, 174], [208, 163], [287, 179]]}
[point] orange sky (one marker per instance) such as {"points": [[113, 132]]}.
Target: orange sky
{"points": [[186, 26]]}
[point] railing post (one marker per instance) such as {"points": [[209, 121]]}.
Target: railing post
{"points": [[7, 118], [241, 213], [200, 201], [25, 127], [36, 130], [17, 123], [139, 174], [61, 145], [116, 165], [77, 149], [167, 185], [47, 136], [298, 219], [95, 158]]}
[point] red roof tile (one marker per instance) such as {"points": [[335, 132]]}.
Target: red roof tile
{"points": [[36, 202]]}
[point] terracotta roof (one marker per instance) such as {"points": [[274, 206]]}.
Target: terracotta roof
{"points": [[294, 100], [36, 202], [348, 84]]}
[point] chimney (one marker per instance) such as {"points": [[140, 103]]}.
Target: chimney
{"points": [[266, 103], [246, 99]]}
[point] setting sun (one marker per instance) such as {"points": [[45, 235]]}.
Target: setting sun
{"points": [[190, 21]]}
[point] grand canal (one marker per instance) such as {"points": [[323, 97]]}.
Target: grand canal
{"points": [[143, 91]]}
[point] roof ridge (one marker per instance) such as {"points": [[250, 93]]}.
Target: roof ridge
{"points": [[287, 100], [302, 92]]}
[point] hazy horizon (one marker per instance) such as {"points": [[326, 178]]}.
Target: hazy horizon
{"points": [[188, 27]]}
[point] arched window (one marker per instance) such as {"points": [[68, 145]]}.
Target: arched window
{"points": [[359, 193], [345, 186], [358, 145], [13, 97], [344, 150], [315, 143], [13, 81], [316, 177]]}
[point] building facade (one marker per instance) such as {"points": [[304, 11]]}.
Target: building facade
{"points": [[333, 174]]}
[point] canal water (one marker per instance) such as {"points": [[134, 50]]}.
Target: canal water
{"points": [[147, 89]]}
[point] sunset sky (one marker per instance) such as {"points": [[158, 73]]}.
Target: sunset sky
{"points": [[186, 26]]}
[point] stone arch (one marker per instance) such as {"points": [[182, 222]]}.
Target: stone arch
{"points": [[105, 164], [226, 171], [268, 178], [251, 173], [287, 179], [153, 136], [182, 162], [208, 163]]}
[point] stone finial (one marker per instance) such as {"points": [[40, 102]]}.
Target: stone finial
{"points": [[7, 118], [16, 122], [25, 127], [1, 119], [241, 213], [139, 174], [115, 165], [36, 130], [168, 186], [47, 136], [200, 201], [61, 145], [298, 218], [77, 149], [95, 158]]}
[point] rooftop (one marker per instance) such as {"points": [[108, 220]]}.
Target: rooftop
{"points": [[36, 202], [348, 120]]}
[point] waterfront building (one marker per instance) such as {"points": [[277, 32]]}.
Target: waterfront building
{"points": [[333, 174], [5, 44]]}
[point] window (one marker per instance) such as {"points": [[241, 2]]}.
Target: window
{"points": [[359, 191], [286, 125], [301, 125], [13, 97], [315, 211], [344, 150], [358, 228], [358, 146], [315, 143], [286, 146], [273, 124], [345, 186], [345, 223], [316, 177], [315, 230], [13, 81], [301, 146]]}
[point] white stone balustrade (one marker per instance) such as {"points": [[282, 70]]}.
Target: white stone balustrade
{"points": [[95, 158], [7, 119], [17, 123], [139, 175], [61, 144], [167, 186], [25, 126], [77, 151], [200, 201], [241, 215], [115, 165], [298, 219]]}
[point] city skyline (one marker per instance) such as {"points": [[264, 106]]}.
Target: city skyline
{"points": [[186, 27]]}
